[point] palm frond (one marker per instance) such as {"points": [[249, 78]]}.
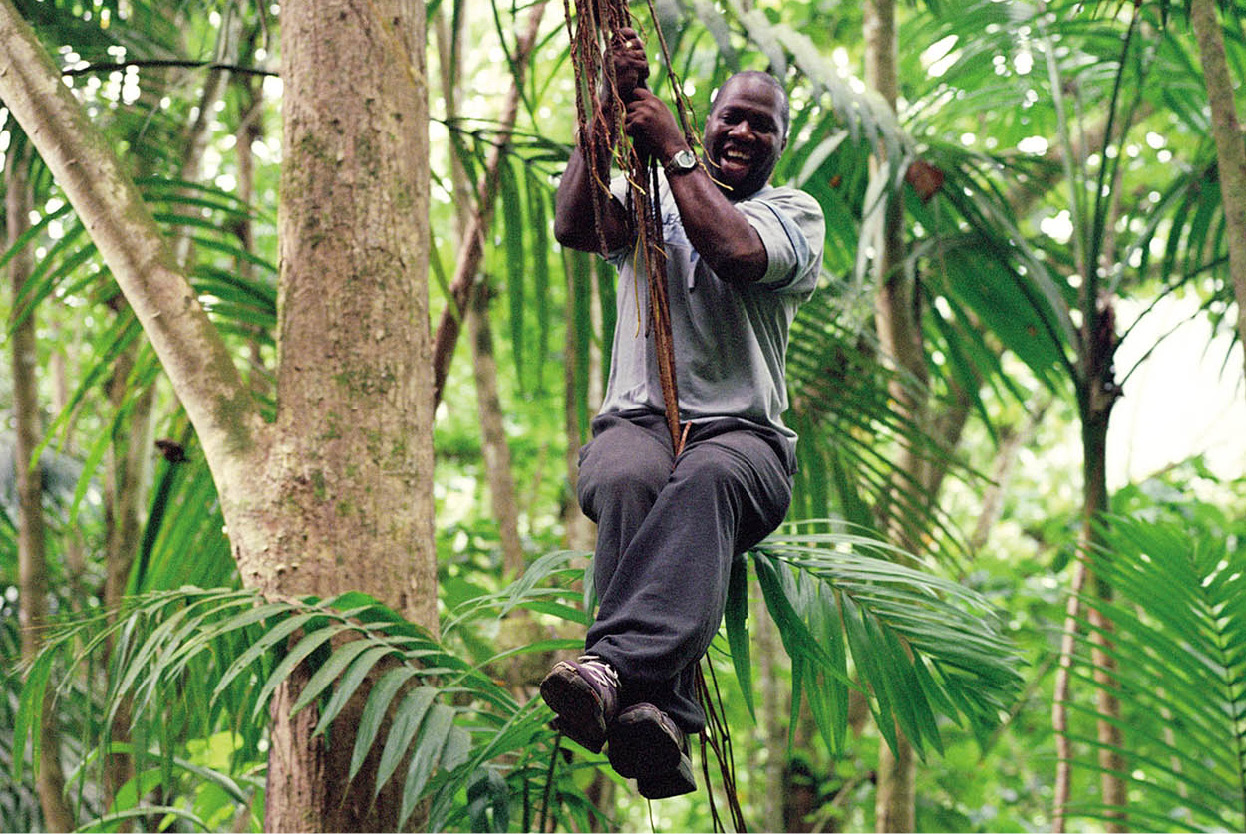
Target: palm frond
{"points": [[194, 662], [920, 647], [843, 411], [1175, 629]]}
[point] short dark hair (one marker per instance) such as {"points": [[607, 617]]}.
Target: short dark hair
{"points": [[767, 78]]}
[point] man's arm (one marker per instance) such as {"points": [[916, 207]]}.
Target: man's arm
{"points": [[718, 230], [574, 222]]}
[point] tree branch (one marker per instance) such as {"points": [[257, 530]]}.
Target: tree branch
{"points": [[166, 64], [105, 197], [471, 249]]}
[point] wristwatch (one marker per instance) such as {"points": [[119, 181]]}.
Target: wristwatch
{"points": [[681, 163]]}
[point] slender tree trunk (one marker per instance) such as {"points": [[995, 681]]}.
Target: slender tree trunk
{"points": [[497, 452], [1014, 440], [497, 456], [1111, 781], [250, 130], [1230, 149], [125, 491], [471, 251], [779, 806], [583, 362], [31, 538], [897, 316]]}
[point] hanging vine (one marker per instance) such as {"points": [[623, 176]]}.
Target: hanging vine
{"points": [[601, 102], [600, 110]]}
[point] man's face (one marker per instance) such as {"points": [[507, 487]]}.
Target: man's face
{"points": [[744, 135]]}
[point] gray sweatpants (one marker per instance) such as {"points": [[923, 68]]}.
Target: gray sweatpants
{"points": [[667, 534]]}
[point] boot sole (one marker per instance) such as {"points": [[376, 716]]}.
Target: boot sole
{"points": [[578, 708], [641, 747], [671, 783]]}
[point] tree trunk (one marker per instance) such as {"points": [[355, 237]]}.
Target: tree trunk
{"points": [[31, 538], [1230, 149], [582, 367], [471, 225], [897, 317], [497, 452], [126, 487], [337, 494], [352, 467], [250, 130], [780, 811]]}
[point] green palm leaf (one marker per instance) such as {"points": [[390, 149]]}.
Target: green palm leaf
{"points": [[919, 645], [1176, 628]]}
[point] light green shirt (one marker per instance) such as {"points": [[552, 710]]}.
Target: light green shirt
{"points": [[730, 339]]}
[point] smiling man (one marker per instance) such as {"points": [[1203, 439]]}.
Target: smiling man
{"points": [[742, 256]]}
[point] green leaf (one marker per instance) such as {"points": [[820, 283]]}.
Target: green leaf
{"points": [[359, 669], [374, 711], [424, 760], [29, 720], [328, 673], [261, 646], [297, 655], [407, 719], [737, 630]]}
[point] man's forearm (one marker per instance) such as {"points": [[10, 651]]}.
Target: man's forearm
{"points": [[717, 229], [575, 220]]}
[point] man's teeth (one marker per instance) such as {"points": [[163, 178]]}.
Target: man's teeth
{"points": [[735, 156]]}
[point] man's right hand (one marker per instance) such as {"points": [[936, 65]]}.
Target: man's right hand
{"points": [[631, 65]]}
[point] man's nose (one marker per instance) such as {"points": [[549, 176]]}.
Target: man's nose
{"points": [[740, 130]]}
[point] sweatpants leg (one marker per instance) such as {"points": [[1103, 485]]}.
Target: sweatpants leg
{"points": [[622, 470], [662, 585]]}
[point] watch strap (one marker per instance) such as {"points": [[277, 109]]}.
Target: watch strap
{"points": [[681, 163]]}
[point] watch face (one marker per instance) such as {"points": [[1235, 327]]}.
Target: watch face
{"points": [[684, 160]]}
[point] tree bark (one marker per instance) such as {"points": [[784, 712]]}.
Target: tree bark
{"points": [[31, 534], [1230, 149], [353, 378]]}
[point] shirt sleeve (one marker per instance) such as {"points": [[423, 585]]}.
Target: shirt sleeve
{"points": [[792, 229], [620, 190]]}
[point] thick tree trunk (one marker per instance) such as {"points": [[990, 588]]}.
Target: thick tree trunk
{"points": [[1230, 149], [31, 538], [351, 466], [351, 474]]}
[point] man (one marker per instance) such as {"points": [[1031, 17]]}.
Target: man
{"points": [[741, 257]]}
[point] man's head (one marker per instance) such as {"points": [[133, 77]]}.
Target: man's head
{"points": [[746, 131]]}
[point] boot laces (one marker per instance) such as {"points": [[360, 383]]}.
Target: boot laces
{"points": [[602, 673]]}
